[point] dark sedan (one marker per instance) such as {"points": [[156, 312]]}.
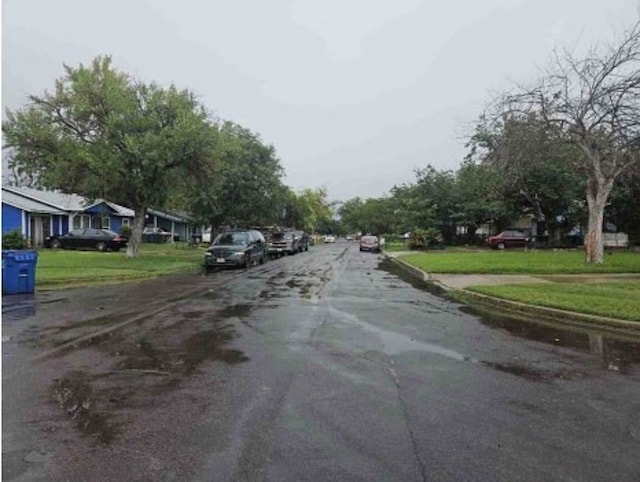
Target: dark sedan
{"points": [[508, 239], [370, 243], [100, 239]]}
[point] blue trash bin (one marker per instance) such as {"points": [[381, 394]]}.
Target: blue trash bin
{"points": [[18, 272]]}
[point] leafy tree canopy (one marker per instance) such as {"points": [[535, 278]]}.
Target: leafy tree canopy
{"points": [[101, 134]]}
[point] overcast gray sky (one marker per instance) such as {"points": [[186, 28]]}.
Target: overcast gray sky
{"points": [[353, 94]]}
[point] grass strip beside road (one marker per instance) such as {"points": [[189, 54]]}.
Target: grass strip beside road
{"points": [[614, 299], [521, 262], [65, 268]]}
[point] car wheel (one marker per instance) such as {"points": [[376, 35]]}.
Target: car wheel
{"points": [[247, 261], [500, 246], [55, 244], [101, 246], [262, 258]]}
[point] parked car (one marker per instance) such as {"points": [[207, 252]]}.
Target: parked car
{"points": [[509, 239], [283, 242], [329, 238], [303, 241], [349, 237], [89, 238], [370, 243], [236, 248], [152, 234]]}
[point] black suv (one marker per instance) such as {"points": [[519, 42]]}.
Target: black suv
{"points": [[236, 248]]}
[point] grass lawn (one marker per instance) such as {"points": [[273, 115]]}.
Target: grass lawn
{"points": [[391, 246], [616, 299], [521, 262], [62, 268]]}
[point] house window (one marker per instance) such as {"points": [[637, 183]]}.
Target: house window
{"points": [[105, 222], [125, 221], [81, 221]]}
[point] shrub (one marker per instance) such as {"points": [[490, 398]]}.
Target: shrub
{"points": [[125, 231], [14, 240], [424, 238]]}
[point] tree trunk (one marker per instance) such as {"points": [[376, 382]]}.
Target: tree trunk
{"points": [[136, 232], [598, 190]]}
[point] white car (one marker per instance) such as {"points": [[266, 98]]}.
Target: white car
{"points": [[329, 238]]}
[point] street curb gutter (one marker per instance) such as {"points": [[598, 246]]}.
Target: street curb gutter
{"points": [[552, 314]]}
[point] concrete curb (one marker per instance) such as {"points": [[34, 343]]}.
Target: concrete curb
{"points": [[552, 314]]}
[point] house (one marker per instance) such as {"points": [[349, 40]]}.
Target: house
{"points": [[40, 213]]}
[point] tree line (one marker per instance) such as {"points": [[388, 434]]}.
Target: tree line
{"points": [[564, 149], [102, 134]]}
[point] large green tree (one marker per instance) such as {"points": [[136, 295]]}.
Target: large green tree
{"points": [[308, 209], [241, 185], [479, 199], [102, 134]]}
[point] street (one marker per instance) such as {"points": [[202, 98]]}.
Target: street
{"points": [[325, 365]]}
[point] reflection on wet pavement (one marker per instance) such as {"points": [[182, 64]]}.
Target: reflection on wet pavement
{"points": [[618, 353]]}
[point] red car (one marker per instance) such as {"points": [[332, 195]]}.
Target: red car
{"points": [[509, 239]]}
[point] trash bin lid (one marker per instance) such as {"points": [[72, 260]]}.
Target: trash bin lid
{"points": [[19, 255]]}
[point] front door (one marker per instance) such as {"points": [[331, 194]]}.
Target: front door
{"points": [[40, 228]]}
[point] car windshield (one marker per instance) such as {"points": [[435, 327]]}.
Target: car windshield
{"points": [[369, 239], [232, 239]]}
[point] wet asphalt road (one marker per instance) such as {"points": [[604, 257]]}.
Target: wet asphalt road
{"points": [[325, 365]]}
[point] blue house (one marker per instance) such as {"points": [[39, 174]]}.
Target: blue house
{"points": [[38, 213]]}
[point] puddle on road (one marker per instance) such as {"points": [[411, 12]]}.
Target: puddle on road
{"points": [[74, 394], [184, 359], [266, 294], [210, 345], [235, 311], [531, 373], [618, 353], [143, 367]]}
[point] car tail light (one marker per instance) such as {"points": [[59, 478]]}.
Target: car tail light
{"points": [[117, 238]]}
